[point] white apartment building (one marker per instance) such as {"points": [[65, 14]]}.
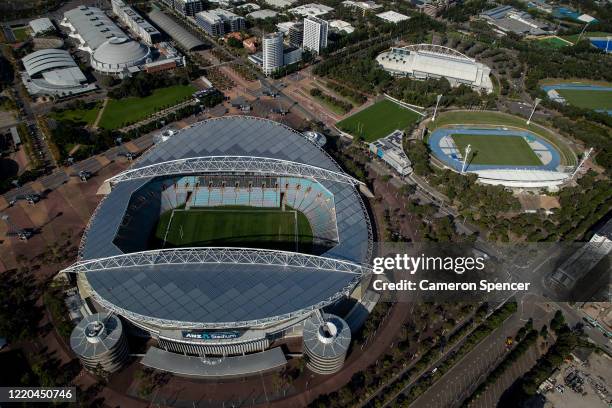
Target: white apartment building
{"points": [[272, 52], [315, 34]]}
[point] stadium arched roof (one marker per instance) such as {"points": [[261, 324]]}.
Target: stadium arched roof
{"points": [[181, 288], [230, 164], [438, 49], [257, 276]]}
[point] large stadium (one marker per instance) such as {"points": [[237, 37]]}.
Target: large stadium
{"points": [[222, 242]]}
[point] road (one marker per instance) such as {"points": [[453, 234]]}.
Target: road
{"points": [[39, 144], [458, 382], [92, 165]]}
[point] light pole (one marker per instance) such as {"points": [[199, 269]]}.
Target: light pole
{"points": [[582, 32], [433, 119], [537, 100], [468, 148], [587, 154]]}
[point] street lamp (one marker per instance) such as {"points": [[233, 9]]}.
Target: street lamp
{"points": [[537, 100], [436, 108]]}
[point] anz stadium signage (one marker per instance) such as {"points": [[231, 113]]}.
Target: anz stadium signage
{"points": [[211, 335]]}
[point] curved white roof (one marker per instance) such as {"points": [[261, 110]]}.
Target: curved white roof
{"points": [[426, 60], [119, 53], [53, 72], [521, 177], [45, 60]]}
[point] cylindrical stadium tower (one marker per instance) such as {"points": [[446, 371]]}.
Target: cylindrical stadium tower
{"points": [[98, 340], [326, 340]]}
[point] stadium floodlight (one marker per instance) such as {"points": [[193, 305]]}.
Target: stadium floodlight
{"points": [[433, 119], [535, 105], [468, 148], [587, 154], [583, 30]]}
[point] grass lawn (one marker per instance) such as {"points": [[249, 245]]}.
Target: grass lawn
{"points": [[553, 42], [86, 116], [331, 106], [497, 150], [378, 120], [121, 112], [587, 99], [501, 119], [235, 226], [21, 33], [574, 37]]}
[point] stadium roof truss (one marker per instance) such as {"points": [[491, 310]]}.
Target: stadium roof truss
{"points": [[219, 255], [438, 49], [233, 164]]}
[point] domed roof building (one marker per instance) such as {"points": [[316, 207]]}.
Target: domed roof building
{"points": [[120, 56]]}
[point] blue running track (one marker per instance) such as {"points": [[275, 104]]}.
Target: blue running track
{"points": [[454, 162]]}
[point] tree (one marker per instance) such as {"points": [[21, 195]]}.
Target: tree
{"points": [[234, 42], [557, 321]]}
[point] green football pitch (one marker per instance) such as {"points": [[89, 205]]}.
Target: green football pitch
{"points": [[378, 120], [587, 99], [497, 150], [553, 42], [234, 226]]}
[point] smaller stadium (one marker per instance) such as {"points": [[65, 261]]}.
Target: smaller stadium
{"points": [[581, 95], [423, 61], [500, 154]]}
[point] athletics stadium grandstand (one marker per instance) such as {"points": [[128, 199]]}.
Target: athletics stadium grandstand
{"points": [[221, 241], [507, 156], [423, 61]]}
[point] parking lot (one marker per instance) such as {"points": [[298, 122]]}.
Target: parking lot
{"points": [[585, 385]]}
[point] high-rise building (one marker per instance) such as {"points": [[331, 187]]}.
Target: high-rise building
{"points": [[272, 52], [188, 7], [296, 35], [315, 34], [218, 22]]}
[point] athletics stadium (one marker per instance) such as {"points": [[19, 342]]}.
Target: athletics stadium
{"points": [[503, 155], [221, 244]]}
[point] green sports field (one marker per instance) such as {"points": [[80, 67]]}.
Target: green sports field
{"points": [[234, 226], [574, 37], [587, 99], [121, 112], [553, 42], [85, 116], [497, 150], [378, 120], [568, 158]]}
